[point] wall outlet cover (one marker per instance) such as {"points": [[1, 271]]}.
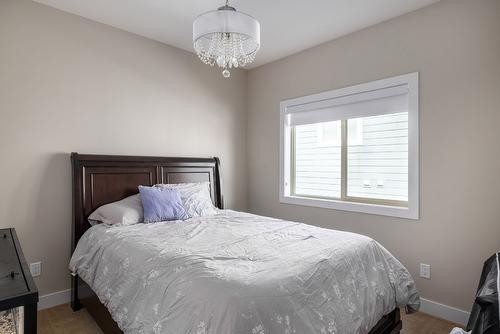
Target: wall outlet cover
{"points": [[36, 269], [425, 270]]}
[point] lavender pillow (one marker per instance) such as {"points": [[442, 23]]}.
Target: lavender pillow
{"points": [[161, 204]]}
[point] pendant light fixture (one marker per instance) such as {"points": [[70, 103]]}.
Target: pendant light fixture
{"points": [[226, 37]]}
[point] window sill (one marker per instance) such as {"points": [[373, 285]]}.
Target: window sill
{"points": [[376, 209]]}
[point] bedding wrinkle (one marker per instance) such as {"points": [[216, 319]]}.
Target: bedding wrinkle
{"points": [[235, 273]]}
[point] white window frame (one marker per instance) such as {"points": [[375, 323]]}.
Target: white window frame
{"points": [[285, 167]]}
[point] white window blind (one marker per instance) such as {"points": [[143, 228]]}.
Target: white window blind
{"points": [[377, 102]]}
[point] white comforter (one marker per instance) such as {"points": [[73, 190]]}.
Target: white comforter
{"points": [[238, 273]]}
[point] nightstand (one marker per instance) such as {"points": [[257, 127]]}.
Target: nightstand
{"points": [[18, 292]]}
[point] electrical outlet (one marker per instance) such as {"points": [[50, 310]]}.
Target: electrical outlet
{"points": [[36, 269], [425, 270]]}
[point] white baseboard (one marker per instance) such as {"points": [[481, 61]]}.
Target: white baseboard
{"points": [[427, 306], [444, 311], [54, 299]]}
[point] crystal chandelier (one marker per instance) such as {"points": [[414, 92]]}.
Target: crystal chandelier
{"points": [[227, 38]]}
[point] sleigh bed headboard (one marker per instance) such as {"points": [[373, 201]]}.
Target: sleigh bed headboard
{"points": [[101, 179]]}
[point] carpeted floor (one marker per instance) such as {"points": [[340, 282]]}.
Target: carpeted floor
{"points": [[62, 320]]}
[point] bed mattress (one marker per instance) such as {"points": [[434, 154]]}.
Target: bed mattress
{"points": [[240, 273]]}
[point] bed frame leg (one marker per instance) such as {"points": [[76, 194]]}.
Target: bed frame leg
{"points": [[75, 301], [397, 321]]}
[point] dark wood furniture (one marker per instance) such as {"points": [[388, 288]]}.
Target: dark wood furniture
{"points": [[17, 288], [101, 179]]}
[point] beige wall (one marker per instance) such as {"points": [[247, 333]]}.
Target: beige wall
{"points": [[69, 84], [455, 45]]}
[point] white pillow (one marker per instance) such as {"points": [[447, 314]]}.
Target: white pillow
{"points": [[195, 198], [128, 211]]}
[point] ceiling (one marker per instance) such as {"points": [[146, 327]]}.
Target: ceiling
{"points": [[287, 26]]}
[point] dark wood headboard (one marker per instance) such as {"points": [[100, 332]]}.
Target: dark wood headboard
{"points": [[101, 179]]}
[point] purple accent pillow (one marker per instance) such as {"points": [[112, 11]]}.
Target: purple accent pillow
{"points": [[161, 204]]}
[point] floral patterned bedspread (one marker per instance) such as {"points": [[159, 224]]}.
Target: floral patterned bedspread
{"points": [[237, 273]]}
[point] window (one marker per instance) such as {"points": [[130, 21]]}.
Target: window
{"points": [[353, 149]]}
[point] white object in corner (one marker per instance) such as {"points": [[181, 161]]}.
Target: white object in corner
{"points": [[498, 282], [444, 311]]}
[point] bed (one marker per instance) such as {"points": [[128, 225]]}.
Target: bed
{"points": [[229, 273]]}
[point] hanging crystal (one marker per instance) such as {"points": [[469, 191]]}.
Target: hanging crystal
{"points": [[226, 37]]}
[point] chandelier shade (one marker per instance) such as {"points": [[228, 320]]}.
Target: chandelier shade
{"points": [[227, 38]]}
